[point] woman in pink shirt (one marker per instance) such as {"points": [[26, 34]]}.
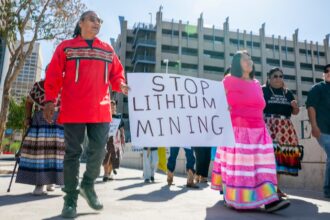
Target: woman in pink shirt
{"points": [[246, 173]]}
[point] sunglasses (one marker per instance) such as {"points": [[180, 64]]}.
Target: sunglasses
{"points": [[95, 19], [327, 71], [277, 76]]}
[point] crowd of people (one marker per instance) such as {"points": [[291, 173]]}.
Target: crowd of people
{"points": [[74, 101]]}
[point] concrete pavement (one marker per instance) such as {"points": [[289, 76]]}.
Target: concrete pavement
{"points": [[127, 197]]}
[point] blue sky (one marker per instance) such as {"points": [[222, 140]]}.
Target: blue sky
{"points": [[282, 17]]}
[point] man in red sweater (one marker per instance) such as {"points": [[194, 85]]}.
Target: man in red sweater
{"points": [[82, 70]]}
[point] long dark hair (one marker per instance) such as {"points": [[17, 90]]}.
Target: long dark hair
{"points": [[236, 68], [77, 29]]}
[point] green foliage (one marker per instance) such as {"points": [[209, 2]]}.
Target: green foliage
{"points": [[16, 114]]}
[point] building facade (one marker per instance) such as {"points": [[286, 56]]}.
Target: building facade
{"points": [[30, 73], [205, 52]]}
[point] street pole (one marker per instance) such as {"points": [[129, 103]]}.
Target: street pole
{"points": [[166, 61]]}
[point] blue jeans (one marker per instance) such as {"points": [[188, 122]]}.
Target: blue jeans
{"points": [[150, 162], [324, 141], [190, 159]]}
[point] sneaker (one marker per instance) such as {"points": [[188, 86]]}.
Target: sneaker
{"points": [[277, 205], [146, 181], [51, 188], [70, 207], [152, 179], [88, 193]]}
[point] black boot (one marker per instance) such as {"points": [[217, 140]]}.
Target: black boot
{"points": [[70, 205], [88, 193]]}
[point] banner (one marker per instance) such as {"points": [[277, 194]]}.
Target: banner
{"points": [[174, 110], [114, 125]]}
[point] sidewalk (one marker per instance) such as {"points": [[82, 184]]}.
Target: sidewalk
{"points": [[129, 198]]}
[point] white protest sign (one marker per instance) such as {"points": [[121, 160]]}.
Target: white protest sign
{"points": [[175, 110], [114, 125]]}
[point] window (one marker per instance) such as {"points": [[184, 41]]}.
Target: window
{"points": [[272, 47], [236, 42], [289, 77], [257, 73], [306, 66], [190, 35], [288, 64], [319, 68], [170, 32], [307, 79], [129, 54], [214, 54], [256, 60], [321, 54], [170, 49], [129, 39], [170, 63], [254, 44], [303, 51], [289, 49], [214, 69], [305, 93], [273, 62], [189, 51], [189, 66], [216, 39]]}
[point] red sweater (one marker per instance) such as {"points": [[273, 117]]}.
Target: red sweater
{"points": [[83, 74]]}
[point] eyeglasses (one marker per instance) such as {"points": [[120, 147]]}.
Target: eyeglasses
{"points": [[95, 19], [277, 76]]}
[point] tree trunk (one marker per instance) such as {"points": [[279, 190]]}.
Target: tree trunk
{"points": [[4, 113]]}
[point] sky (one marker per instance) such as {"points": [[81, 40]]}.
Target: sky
{"points": [[282, 17]]}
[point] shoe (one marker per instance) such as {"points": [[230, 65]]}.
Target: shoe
{"points": [[39, 191], [115, 172], [190, 180], [70, 206], [146, 181], [107, 178], [88, 193], [277, 205], [51, 188], [169, 178], [152, 179]]}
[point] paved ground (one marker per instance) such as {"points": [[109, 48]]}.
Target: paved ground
{"points": [[129, 198]]}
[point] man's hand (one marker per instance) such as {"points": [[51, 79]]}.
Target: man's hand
{"points": [[124, 88], [316, 132], [49, 112]]}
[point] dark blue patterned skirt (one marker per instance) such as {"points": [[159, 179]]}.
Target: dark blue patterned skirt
{"points": [[42, 153]]}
